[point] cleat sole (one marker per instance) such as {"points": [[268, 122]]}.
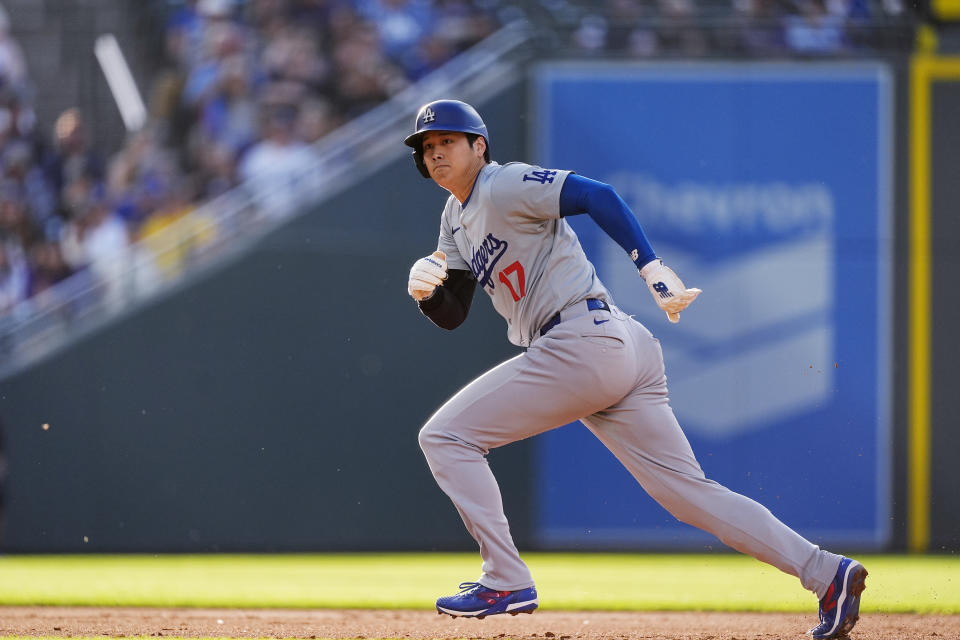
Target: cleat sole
{"points": [[484, 615], [858, 584]]}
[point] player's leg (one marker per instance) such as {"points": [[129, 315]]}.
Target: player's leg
{"points": [[643, 433], [551, 384]]}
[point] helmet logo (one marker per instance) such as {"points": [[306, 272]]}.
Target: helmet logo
{"points": [[429, 115]]}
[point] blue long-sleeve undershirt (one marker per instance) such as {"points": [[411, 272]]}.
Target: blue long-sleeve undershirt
{"points": [[609, 211]]}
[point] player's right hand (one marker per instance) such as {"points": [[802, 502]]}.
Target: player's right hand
{"points": [[667, 289], [427, 274]]}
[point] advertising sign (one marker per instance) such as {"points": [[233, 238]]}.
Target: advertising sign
{"points": [[768, 187]]}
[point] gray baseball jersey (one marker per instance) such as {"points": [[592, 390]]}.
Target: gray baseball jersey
{"points": [[596, 365], [510, 235]]}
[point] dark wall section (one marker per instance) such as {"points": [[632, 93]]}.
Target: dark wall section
{"points": [[274, 405], [945, 403], [900, 278]]}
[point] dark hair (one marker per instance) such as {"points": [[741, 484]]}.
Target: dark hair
{"points": [[472, 137]]}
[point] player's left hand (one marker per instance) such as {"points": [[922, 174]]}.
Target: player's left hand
{"points": [[667, 289]]}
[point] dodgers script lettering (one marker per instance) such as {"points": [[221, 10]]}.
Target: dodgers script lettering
{"points": [[485, 258]]}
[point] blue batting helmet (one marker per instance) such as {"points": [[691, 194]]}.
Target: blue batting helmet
{"points": [[445, 115]]}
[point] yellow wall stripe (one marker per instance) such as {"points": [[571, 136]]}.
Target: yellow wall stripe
{"points": [[925, 70]]}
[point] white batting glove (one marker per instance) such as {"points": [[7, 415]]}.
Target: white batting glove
{"points": [[427, 274], [667, 290]]}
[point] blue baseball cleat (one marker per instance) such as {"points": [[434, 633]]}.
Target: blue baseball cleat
{"points": [[840, 607], [478, 601]]}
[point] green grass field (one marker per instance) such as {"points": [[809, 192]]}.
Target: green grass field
{"points": [[720, 582]]}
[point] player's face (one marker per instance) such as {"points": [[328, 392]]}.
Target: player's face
{"points": [[450, 159]]}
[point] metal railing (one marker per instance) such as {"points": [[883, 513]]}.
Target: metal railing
{"points": [[223, 228]]}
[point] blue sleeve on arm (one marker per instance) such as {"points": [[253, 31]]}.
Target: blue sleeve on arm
{"points": [[609, 211]]}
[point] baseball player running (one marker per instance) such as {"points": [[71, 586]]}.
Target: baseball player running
{"points": [[503, 229]]}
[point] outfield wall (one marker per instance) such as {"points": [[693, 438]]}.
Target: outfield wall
{"points": [[274, 405]]}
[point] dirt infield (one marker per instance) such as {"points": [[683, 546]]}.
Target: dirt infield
{"points": [[543, 625]]}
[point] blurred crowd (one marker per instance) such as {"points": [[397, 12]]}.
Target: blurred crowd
{"points": [[762, 28], [245, 87], [248, 87]]}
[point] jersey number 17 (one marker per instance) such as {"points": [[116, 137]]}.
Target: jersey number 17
{"points": [[514, 269]]}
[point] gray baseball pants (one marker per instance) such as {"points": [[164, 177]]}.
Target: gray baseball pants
{"points": [[611, 377]]}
